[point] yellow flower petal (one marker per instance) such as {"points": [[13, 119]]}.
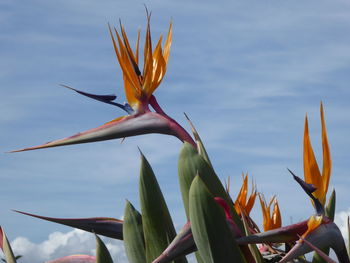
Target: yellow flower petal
{"points": [[327, 162], [167, 44], [313, 223]]}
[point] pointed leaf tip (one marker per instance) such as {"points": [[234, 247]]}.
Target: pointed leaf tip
{"points": [[212, 235], [6, 247], [134, 242], [157, 224], [102, 253]]}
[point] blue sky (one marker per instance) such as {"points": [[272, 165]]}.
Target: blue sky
{"points": [[246, 72]]}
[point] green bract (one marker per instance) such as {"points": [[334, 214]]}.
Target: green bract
{"points": [[134, 240]]}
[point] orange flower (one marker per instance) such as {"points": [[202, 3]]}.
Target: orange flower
{"points": [[241, 201], [314, 222], [312, 174], [140, 86], [270, 220]]}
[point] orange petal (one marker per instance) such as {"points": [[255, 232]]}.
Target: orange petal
{"points": [[131, 86], [251, 201], [127, 45], [276, 215], [265, 212], [167, 44], [327, 162], [311, 171], [159, 67], [128, 68], [148, 58], [313, 223], [137, 47]]}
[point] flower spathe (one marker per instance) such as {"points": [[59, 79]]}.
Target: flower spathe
{"points": [[322, 233], [312, 172]]}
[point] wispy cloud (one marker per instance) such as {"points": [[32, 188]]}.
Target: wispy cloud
{"points": [[61, 244]]}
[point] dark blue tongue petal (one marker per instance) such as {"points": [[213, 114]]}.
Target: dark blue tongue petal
{"points": [[309, 189], [103, 98]]}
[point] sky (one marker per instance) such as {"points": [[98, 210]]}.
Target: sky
{"points": [[245, 72]]}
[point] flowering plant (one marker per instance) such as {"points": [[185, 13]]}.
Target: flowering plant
{"points": [[218, 229]]}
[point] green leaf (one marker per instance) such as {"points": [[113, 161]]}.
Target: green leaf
{"points": [[253, 248], [330, 208], [211, 232], [200, 146], [102, 253], [158, 227], [191, 164], [198, 257], [6, 248], [133, 235], [330, 211]]}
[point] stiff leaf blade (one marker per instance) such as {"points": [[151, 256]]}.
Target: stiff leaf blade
{"points": [[157, 225], [253, 248], [133, 235], [102, 253], [183, 244], [6, 247], [211, 232], [200, 146], [330, 208], [192, 164]]}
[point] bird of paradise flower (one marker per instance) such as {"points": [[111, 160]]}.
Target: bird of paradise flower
{"points": [[139, 87], [318, 231]]}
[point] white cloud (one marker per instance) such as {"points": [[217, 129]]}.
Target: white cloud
{"points": [[64, 244], [341, 219], [61, 244]]}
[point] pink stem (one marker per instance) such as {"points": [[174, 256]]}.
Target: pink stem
{"points": [[179, 131]]}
